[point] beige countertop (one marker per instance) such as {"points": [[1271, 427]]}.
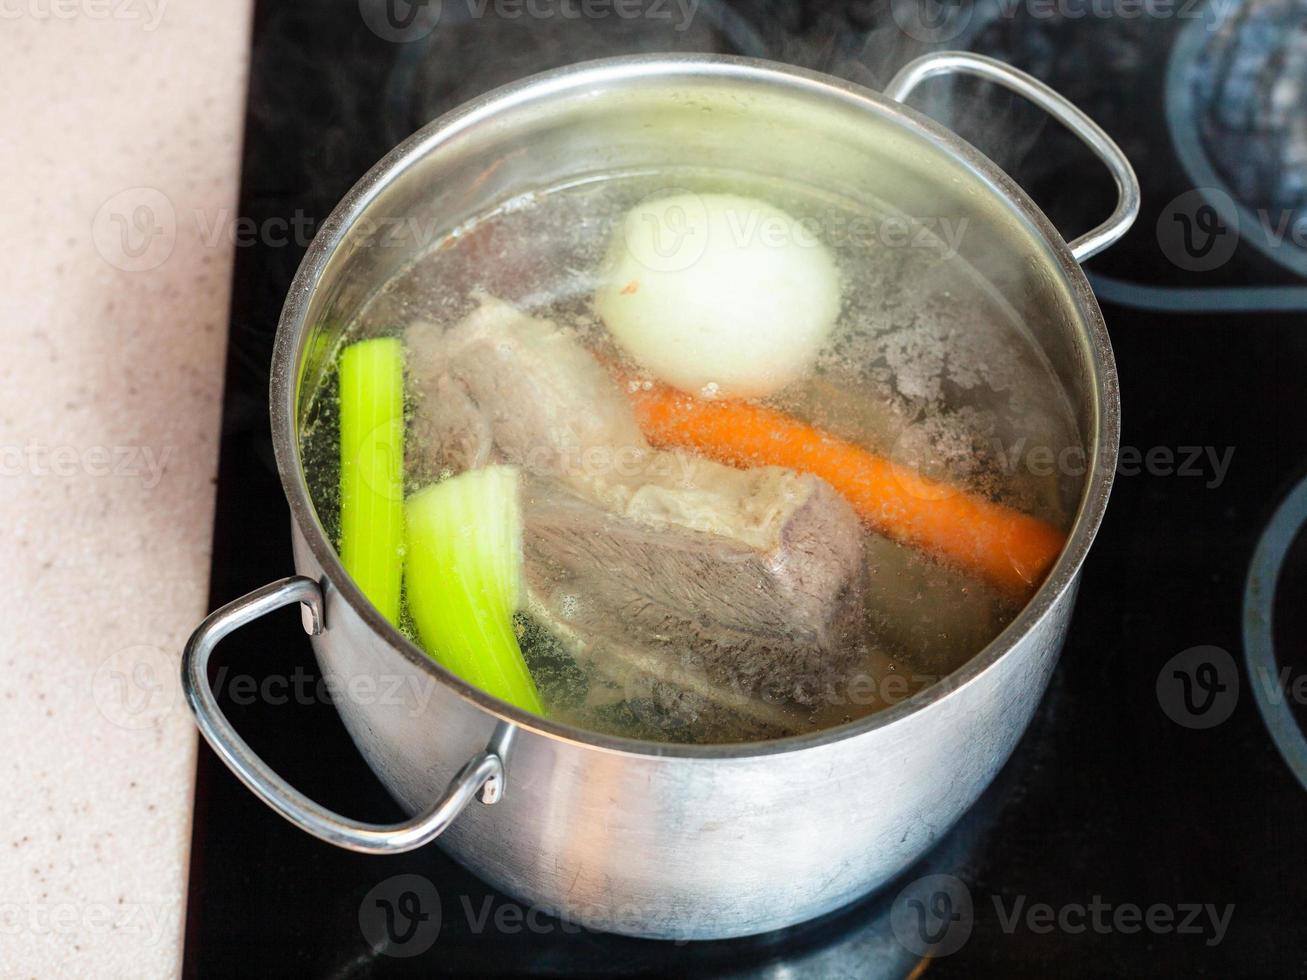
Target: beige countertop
{"points": [[120, 136]]}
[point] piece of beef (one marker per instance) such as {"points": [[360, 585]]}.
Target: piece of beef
{"points": [[632, 690], [503, 387], [751, 578], [778, 625]]}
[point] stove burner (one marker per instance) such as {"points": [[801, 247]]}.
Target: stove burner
{"points": [[1273, 623], [1237, 109]]}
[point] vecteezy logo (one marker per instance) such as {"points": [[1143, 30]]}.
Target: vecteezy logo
{"points": [[136, 686], [1193, 235], [400, 20], [932, 21], [136, 229], [401, 916], [668, 231], [933, 916], [1199, 687]]}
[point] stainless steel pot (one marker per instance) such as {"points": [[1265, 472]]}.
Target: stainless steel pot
{"points": [[671, 841]]}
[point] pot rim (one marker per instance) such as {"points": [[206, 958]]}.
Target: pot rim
{"points": [[1092, 334]]}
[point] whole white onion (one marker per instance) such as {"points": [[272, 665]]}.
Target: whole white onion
{"points": [[719, 294]]}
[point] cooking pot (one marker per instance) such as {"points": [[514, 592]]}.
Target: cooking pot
{"points": [[647, 839]]}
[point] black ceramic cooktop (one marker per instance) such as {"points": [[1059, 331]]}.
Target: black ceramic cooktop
{"points": [[1150, 821]]}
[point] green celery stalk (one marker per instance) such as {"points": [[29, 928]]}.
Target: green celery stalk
{"points": [[372, 469], [463, 571]]}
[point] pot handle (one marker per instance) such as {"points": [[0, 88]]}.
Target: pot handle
{"points": [[483, 774], [1091, 134]]}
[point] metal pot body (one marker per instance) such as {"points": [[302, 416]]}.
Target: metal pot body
{"points": [[674, 842], [672, 847]]}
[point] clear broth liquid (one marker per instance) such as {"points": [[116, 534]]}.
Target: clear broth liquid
{"points": [[927, 365]]}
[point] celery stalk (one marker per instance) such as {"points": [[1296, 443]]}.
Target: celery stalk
{"points": [[372, 469], [464, 577]]}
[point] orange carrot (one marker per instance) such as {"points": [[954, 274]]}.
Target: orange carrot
{"points": [[1011, 549]]}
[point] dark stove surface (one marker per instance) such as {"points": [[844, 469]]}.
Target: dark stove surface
{"points": [[1148, 823]]}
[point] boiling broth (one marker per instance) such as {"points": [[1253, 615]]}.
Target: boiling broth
{"points": [[927, 366]]}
